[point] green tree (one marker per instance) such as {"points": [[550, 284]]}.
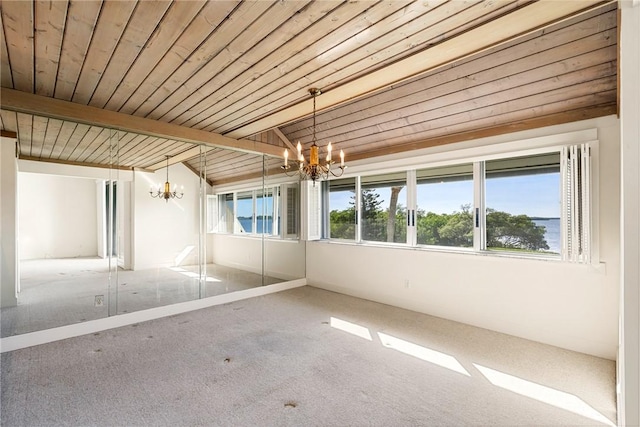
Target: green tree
{"points": [[455, 229], [374, 218], [458, 230], [514, 232]]}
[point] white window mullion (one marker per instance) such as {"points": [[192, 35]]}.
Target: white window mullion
{"points": [[412, 234], [276, 210], [234, 218], [564, 210], [254, 207], [358, 200], [212, 213], [479, 211], [314, 214], [586, 202]]}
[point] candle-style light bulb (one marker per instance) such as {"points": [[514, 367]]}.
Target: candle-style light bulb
{"points": [[300, 158], [286, 158], [329, 152], [341, 158]]}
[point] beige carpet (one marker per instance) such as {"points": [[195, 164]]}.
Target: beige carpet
{"points": [[304, 357]]}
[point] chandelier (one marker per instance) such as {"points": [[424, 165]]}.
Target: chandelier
{"points": [[313, 170], [167, 193]]}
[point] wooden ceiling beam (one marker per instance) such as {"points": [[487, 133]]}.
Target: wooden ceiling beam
{"points": [[84, 164], [29, 103], [531, 17], [284, 138]]}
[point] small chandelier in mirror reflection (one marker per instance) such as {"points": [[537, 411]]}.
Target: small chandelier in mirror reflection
{"points": [[313, 169], [167, 193]]}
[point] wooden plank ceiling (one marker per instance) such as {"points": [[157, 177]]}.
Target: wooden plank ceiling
{"points": [[396, 76]]}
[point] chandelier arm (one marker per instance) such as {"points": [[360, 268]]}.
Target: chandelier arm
{"points": [[342, 168]]}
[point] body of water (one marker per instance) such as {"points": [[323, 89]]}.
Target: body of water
{"points": [[552, 232], [247, 223]]}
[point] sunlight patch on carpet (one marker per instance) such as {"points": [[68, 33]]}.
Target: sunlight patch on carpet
{"points": [[548, 395], [423, 353], [352, 328]]}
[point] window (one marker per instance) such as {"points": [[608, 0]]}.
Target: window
{"points": [[212, 214], [226, 213], [538, 204], [444, 202], [245, 212], [342, 208], [271, 211], [384, 208], [264, 211], [523, 204]]}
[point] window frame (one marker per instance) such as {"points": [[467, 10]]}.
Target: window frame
{"points": [[278, 231], [477, 156]]}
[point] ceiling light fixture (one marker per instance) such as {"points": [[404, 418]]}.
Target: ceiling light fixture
{"points": [[313, 170], [167, 193]]}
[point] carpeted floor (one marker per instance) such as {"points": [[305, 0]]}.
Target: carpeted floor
{"points": [[304, 357]]}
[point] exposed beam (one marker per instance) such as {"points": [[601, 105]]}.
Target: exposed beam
{"points": [[248, 176], [178, 158], [89, 165], [284, 138], [28, 103], [195, 171], [8, 134], [522, 21]]}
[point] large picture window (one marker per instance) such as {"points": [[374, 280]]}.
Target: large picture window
{"points": [[529, 205]]}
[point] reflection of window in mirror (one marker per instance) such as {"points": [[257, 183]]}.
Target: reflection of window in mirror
{"points": [[226, 214], [245, 212], [291, 210], [212, 213]]}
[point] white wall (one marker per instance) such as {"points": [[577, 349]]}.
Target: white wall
{"points": [[567, 305], [58, 216], [163, 231], [8, 222], [629, 356], [283, 259]]}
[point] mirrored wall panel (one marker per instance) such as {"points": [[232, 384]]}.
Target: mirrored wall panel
{"points": [[122, 222]]}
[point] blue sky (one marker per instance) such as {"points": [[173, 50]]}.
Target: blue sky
{"points": [[533, 195]]}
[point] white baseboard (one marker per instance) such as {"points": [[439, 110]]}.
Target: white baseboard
{"points": [[31, 339]]}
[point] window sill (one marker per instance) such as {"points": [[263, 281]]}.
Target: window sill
{"points": [[257, 236], [444, 249]]}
